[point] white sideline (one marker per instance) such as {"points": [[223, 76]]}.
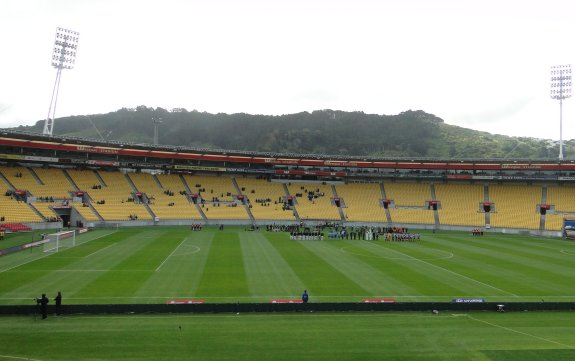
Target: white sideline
{"points": [[520, 332], [170, 255]]}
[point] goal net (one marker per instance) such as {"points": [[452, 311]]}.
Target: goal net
{"points": [[57, 241]]}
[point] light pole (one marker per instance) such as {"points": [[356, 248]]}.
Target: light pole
{"points": [[156, 121], [63, 57], [561, 79]]}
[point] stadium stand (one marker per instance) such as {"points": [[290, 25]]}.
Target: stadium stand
{"points": [[45, 208], [14, 211], [460, 204], [21, 178], [564, 200], [515, 206], [362, 202], [217, 194], [55, 182], [40, 182], [86, 212], [410, 201], [166, 195], [115, 199], [86, 181], [319, 206], [118, 199], [258, 192], [411, 216]]}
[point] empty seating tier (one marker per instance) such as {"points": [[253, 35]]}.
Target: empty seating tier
{"points": [[362, 202], [515, 206], [460, 204], [564, 200]]}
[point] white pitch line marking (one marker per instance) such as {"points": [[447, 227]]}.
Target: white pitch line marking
{"points": [[170, 255], [49, 254], [567, 252], [93, 253], [448, 255], [520, 332], [452, 272], [196, 249], [19, 358]]}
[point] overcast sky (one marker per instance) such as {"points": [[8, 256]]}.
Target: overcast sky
{"points": [[483, 64]]}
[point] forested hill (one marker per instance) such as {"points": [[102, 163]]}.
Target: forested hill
{"points": [[408, 134]]}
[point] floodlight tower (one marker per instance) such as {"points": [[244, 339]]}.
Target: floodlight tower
{"points": [[156, 121], [63, 57], [561, 89]]}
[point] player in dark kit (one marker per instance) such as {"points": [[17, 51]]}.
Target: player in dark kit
{"points": [[305, 297]]}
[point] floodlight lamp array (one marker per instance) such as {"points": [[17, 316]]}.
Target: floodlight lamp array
{"points": [[65, 47], [561, 81]]}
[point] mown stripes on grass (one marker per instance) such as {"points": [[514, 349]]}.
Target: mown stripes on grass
{"points": [[316, 274], [143, 265], [45, 272], [224, 273], [181, 272], [268, 274]]}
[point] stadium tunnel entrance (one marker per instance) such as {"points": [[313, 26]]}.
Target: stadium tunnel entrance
{"points": [[65, 214]]}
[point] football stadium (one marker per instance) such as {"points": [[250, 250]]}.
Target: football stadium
{"points": [[172, 253], [305, 207]]}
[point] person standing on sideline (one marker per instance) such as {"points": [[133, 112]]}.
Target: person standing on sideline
{"points": [[58, 300], [305, 296], [44, 306]]}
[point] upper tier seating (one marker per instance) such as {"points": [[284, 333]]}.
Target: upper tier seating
{"points": [[40, 182]]}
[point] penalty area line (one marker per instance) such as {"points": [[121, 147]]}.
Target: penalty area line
{"points": [[170, 255]]}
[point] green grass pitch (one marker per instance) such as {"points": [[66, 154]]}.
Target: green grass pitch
{"points": [[155, 264], [520, 336]]}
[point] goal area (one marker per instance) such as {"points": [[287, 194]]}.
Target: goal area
{"points": [[58, 241]]}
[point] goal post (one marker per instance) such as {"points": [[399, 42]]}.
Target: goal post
{"points": [[57, 241]]}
